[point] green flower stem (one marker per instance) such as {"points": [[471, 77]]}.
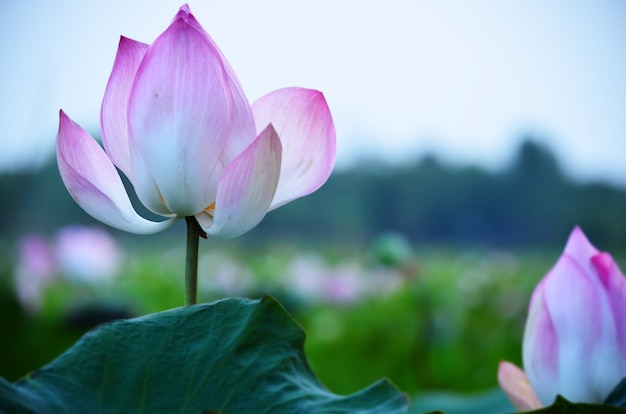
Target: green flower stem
{"points": [[194, 232]]}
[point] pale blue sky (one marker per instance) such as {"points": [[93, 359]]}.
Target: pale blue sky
{"points": [[461, 79]]}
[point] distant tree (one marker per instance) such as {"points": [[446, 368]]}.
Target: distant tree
{"points": [[531, 202]]}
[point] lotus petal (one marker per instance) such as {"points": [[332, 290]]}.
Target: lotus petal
{"points": [[515, 385], [179, 120], [113, 115], [303, 121], [246, 188], [92, 180]]}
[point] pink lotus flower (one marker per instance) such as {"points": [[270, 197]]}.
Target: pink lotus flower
{"points": [[34, 271], [87, 254], [575, 337], [176, 122]]}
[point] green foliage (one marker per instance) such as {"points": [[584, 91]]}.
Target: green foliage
{"points": [[490, 402], [446, 328], [458, 312], [29, 342], [392, 249], [230, 356]]}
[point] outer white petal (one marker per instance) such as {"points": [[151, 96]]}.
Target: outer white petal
{"points": [[541, 348], [303, 122], [179, 120], [577, 309], [114, 112], [92, 180], [246, 188], [242, 127]]}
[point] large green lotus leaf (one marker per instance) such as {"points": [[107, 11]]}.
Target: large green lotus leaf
{"points": [[617, 397], [489, 402], [230, 356]]}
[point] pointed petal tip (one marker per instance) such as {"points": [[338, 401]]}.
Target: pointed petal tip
{"points": [[65, 123], [184, 13], [126, 42], [577, 233], [579, 246], [63, 116]]}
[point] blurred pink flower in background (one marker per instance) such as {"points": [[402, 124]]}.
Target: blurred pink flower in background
{"points": [[343, 284], [311, 278], [303, 276], [34, 270], [575, 336], [225, 275], [308, 277], [87, 254], [76, 254]]}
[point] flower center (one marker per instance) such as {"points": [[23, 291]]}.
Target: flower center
{"points": [[210, 210]]}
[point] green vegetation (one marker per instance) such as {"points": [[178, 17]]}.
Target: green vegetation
{"points": [[532, 203], [229, 356], [421, 274], [449, 316]]}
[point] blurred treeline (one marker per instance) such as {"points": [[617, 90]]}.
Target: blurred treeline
{"points": [[531, 203]]}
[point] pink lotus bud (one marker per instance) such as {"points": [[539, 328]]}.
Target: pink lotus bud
{"points": [[575, 336]]}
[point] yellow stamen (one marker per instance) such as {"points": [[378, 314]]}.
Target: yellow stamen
{"points": [[210, 210]]}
